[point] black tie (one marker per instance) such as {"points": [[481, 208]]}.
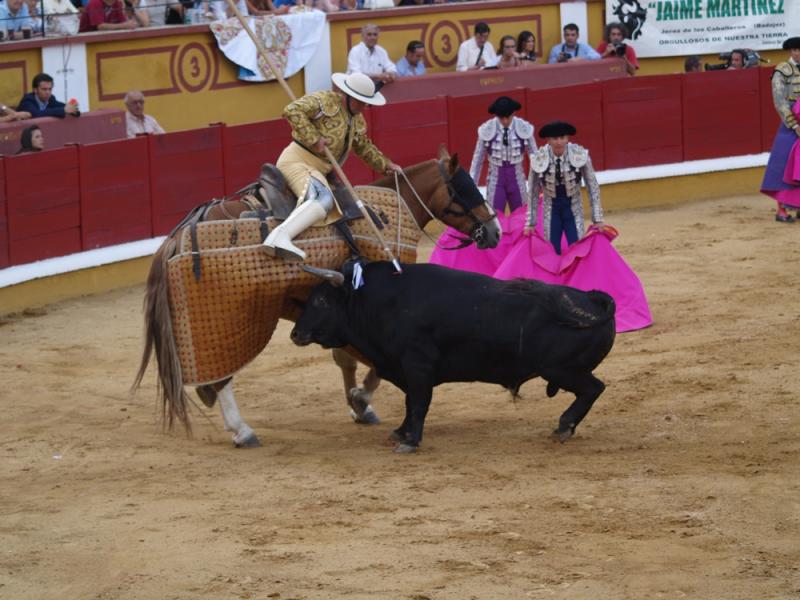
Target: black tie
{"points": [[477, 62], [505, 136], [559, 179]]}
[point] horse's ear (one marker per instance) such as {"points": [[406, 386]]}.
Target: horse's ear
{"points": [[454, 163], [443, 153]]}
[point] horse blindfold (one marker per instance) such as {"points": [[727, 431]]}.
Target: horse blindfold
{"points": [[466, 193]]}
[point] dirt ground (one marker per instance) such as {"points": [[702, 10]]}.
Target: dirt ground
{"points": [[683, 482]]}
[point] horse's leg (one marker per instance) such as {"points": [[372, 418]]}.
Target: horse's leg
{"points": [[358, 398], [243, 436]]}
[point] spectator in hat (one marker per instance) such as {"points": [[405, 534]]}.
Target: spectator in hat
{"points": [[557, 169], [413, 63], [475, 53], [782, 176]]}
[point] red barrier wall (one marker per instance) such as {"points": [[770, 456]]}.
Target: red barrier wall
{"points": [[410, 132], [721, 114], [464, 115], [115, 192], [581, 105], [642, 121], [769, 116], [246, 147], [3, 218], [43, 203], [185, 170]]}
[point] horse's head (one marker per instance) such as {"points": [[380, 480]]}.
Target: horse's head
{"points": [[458, 203]]}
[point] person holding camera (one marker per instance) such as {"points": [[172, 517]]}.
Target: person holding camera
{"points": [[42, 103], [614, 46], [572, 49]]}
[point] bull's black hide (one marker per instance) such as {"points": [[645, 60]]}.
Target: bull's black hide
{"points": [[431, 325]]}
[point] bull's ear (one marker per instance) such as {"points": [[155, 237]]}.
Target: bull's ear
{"points": [[335, 278], [443, 153]]}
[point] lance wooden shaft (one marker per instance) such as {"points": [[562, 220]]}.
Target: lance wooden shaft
{"points": [[328, 154]]}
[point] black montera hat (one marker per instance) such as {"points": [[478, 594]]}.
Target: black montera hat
{"points": [[792, 43], [557, 129], [504, 107]]}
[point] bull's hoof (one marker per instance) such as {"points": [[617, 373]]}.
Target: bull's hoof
{"points": [[404, 449], [250, 441], [368, 417], [562, 434]]}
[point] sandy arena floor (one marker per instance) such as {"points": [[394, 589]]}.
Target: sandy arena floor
{"points": [[684, 481]]}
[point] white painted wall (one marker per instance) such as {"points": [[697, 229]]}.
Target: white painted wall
{"points": [[575, 12], [66, 64], [318, 71]]}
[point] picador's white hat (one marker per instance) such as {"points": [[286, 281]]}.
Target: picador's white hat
{"points": [[360, 87]]}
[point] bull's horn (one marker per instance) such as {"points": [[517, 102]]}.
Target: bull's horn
{"points": [[335, 278]]}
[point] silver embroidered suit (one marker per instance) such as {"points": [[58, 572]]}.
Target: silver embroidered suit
{"points": [[575, 165]]}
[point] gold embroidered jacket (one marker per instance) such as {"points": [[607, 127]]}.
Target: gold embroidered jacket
{"points": [[323, 114], [786, 91]]}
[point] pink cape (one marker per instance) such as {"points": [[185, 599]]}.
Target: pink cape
{"points": [[591, 263], [480, 261], [791, 174]]}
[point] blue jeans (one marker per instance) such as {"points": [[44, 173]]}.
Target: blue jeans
{"points": [[562, 221]]}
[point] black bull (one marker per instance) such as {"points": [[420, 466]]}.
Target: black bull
{"points": [[432, 325]]}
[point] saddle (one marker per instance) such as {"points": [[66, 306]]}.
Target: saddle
{"points": [[281, 201]]}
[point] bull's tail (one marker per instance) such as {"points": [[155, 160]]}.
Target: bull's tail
{"points": [[588, 309], [159, 337]]}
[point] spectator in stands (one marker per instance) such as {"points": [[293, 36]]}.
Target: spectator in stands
{"points": [[526, 46], [136, 121], [475, 53], [692, 64], [327, 6], [16, 18], [33, 11], [782, 176], [507, 53], [8, 114], [613, 45], [31, 140], [572, 49], [413, 63], [369, 58], [61, 17], [105, 15], [41, 102], [737, 60]]}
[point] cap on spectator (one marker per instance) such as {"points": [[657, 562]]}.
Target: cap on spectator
{"points": [[793, 43], [504, 107], [557, 129], [360, 87]]}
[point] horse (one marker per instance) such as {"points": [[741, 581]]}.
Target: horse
{"points": [[203, 327]]}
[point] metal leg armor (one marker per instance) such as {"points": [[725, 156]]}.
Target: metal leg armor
{"points": [[317, 205]]}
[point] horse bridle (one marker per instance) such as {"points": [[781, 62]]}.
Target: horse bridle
{"points": [[478, 229]]}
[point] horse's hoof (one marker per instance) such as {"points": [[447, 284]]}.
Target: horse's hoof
{"points": [[396, 436], [404, 449], [251, 441], [368, 417]]}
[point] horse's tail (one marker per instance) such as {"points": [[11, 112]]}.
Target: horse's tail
{"points": [[159, 337]]}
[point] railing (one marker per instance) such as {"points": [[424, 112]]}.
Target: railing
{"points": [[87, 196]]}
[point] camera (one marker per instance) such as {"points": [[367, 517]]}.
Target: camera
{"points": [[751, 59], [563, 57], [620, 49]]}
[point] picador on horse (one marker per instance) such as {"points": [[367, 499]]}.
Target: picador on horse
{"points": [[328, 118]]}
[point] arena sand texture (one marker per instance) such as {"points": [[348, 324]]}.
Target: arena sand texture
{"points": [[683, 482]]}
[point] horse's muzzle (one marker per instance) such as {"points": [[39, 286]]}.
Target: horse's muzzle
{"points": [[486, 237]]}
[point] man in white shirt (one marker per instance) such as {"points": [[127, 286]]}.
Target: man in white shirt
{"points": [[136, 121], [476, 53], [370, 59]]}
